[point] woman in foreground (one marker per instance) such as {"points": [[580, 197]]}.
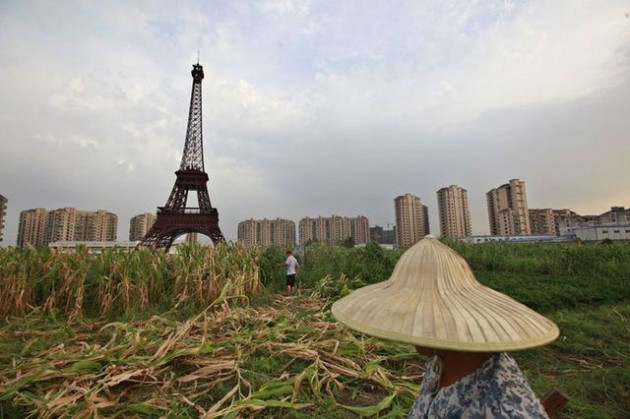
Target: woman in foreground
{"points": [[433, 301]]}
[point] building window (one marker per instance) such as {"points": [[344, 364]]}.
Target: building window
{"points": [[604, 231]]}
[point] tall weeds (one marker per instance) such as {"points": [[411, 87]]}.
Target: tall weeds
{"points": [[369, 264], [115, 282], [558, 259]]}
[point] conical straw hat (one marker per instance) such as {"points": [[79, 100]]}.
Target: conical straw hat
{"points": [[433, 300]]}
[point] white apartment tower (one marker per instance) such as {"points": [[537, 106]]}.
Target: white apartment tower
{"points": [[412, 220], [139, 225], [454, 212], [32, 228], [278, 232], [334, 229], [360, 229], [61, 225], [507, 209]]}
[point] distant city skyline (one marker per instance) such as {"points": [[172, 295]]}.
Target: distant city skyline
{"points": [[39, 226], [314, 107]]}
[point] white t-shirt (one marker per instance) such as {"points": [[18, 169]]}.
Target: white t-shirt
{"points": [[291, 263]]}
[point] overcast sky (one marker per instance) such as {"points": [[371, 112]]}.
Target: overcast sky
{"points": [[314, 107]]}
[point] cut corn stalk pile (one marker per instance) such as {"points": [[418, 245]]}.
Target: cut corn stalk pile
{"points": [[285, 358]]}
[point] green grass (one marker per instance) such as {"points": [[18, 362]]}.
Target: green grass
{"points": [[547, 292], [590, 361]]}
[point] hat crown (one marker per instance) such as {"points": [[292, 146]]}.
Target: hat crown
{"points": [[430, 263]]}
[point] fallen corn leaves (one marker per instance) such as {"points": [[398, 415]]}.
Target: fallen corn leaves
{"points": [[210, 363]]}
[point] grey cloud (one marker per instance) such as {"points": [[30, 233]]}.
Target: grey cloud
{"points": [[311, 109]]}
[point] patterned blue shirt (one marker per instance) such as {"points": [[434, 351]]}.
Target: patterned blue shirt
{"points": [[497, 389]]}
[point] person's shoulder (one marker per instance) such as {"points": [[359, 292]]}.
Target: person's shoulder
{"points": [[497, 389], [514, 393]]}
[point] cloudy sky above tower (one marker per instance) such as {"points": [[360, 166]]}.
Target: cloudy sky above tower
{"points": [[314, 107]]}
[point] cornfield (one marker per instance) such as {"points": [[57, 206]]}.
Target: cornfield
{"points": [[114, 282], [195, 334], [71, 346]]}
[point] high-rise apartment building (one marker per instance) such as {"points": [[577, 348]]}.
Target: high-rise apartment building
{"points": [[282, 232], [334, 229], [339, 229], [278, 232], [412, 220], [101, 226], [507, 209], [70, 224], [61, 225], [140, 224], [3, 214], [39, 227], [246, 232], [32, 228], [454, 212], [308, 230], [360, 229], [543, 221]]}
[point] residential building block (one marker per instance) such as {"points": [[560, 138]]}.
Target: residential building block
{"points": [[334, 229], [32, 228], [507, 209], [140, 224], [39, 227], [454, 212], [412, 220], [278, 232], [542, 221]]}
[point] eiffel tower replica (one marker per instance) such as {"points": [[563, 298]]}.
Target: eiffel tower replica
{"points": [[175, 218]]}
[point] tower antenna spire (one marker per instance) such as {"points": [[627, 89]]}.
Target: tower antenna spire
{"points": [[197, 57]]}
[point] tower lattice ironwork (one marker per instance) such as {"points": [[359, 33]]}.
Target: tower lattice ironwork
{"points": [[175, 218]]}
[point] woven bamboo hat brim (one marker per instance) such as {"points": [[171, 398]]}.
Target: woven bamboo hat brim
{"points": [[433, 300]]}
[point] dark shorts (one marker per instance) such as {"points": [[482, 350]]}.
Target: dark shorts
{"points": [[290, 280]]}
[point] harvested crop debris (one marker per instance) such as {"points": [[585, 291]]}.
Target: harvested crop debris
{"points": [[288, 356]]}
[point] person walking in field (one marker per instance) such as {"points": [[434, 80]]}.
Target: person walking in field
{"points": [[433, 302], [292, 266]]}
